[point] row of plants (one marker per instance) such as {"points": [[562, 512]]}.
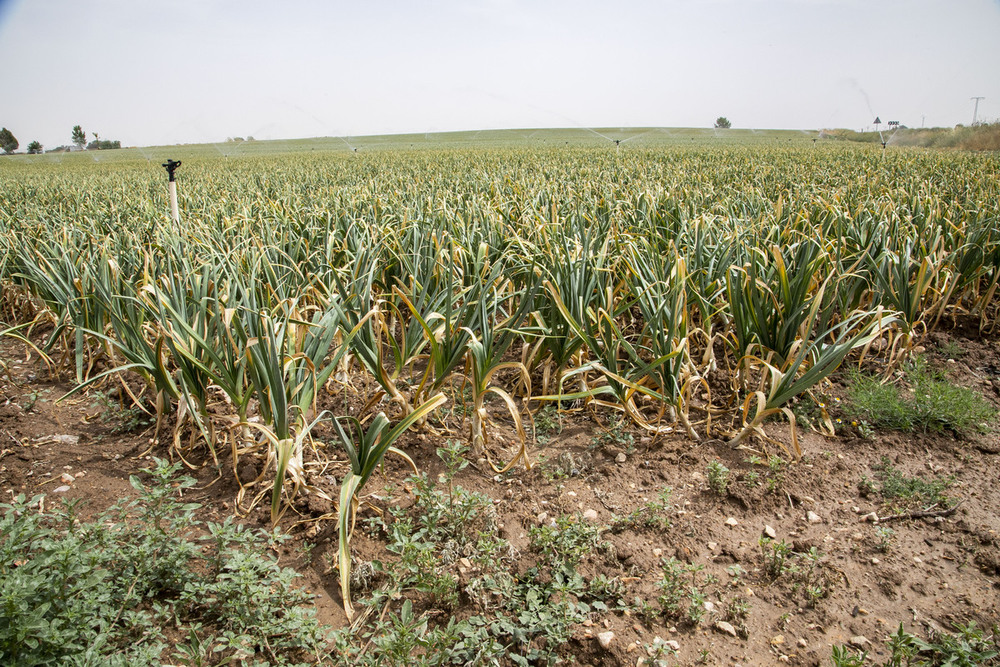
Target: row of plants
{"points": [[501, 280]]}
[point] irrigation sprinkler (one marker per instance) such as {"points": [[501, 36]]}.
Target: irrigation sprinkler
{"points": [[171, 167], [894, 124]]}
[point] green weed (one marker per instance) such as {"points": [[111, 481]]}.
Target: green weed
{"points": [[933, 403], [97, 592], [718, 477]]}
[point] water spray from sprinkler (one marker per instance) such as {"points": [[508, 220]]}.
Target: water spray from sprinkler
{"points": [[894, 124], [171, 167]]}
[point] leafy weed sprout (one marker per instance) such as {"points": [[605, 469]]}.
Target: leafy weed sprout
{"points": [[718, 477]]}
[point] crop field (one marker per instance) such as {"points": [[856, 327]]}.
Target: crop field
{"points": [[503, 397]]}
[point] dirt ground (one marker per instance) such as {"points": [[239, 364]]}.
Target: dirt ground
{"points": [[933, 572]]}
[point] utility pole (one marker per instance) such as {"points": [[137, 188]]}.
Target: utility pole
{"points": [[975, 110]]}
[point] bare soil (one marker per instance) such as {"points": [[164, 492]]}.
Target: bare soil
{"points": [[935, 572]]}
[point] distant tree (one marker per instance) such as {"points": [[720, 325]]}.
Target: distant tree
{"points": [[8, 142], [722, 123], [79, 136], [103, 145], [34, 148]]}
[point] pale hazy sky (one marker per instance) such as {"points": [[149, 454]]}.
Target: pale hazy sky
{"points": [[174, 71]]}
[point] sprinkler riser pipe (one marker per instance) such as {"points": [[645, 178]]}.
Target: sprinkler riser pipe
{"points": [[171, 166], [172, 190]]}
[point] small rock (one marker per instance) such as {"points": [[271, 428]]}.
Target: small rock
{"points": [[812, 517], [657, 552], [709, 606], [875, 561], [917, 559], [732, 522], [770, 531], [672, 644], [61, 489], [784, 658], [803, 643], [542, 518], [859, 641], [465, 563], [777, 640], [726, 628], [67, 478], [621, 458], [65, 439], [571, 494], [712, 546], [605, 638], [590, 515], [807, 499], [872, 517]]}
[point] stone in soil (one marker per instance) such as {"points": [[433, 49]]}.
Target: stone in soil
{"points": [[605, 638], [726, 628]]}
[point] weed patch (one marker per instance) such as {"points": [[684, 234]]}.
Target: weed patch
{"points": [[97, 591], [932, 403]]}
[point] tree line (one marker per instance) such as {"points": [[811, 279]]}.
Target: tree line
{"points": [[9, 143]]}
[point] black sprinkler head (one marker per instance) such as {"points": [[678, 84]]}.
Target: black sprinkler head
{"points": [[170, 166]]}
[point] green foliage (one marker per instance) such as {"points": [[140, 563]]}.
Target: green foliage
{"points": [[453, 456], [718, 477], [934, 403], [968, 646], [8, 142], [884, 538], [34, 148], [777, 556], [103, 145], [546, 423], [722, 123], [681, 597], [657, 653], [615, 435], [91, 592], [523, 618], [79, 137], [566, 542], [895, 487], [652, 514], [846, 657]]}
